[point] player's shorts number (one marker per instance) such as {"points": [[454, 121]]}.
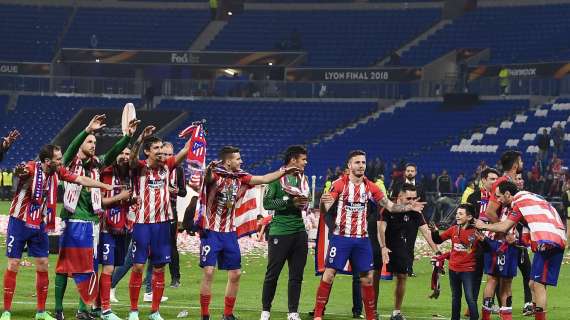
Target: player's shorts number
{"points": [[10, 243], [205, 250], [332, 252], [501, 260], [107, 248], [134, 249]]}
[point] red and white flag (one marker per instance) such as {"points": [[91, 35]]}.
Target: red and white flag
{"points": [[322, 248], [196, 159]]}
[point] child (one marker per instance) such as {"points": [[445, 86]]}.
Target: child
{"points": [[465, 241]]}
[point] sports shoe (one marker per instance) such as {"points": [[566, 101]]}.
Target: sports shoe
{"points": [[6, 315], [59, 315], [96, 313], [43, 316], [265, 315], [113, 297], [293, 316], [133, 315], [110, 316], [528, 309], [398, 316], [357, 315], [155, 316], [84, 315], [230, 317], [206, 317], [148, 297], [175, 283]]}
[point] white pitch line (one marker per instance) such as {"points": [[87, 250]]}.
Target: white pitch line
{"points": [[182, 307]]}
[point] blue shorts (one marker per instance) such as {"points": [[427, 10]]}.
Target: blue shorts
{"points": [[501, 264], [18, 236], [546, 266], [151, 239], [356, 250], [221, 248], [112, 249]]}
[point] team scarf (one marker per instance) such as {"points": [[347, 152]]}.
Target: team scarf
{"points": [[196, 158], [438, 265], [245, 208], [40, 207], [73, 191], [301, 190], [115, 217]]}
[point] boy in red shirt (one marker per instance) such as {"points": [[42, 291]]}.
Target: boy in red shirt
{"points": [[465, 240]]}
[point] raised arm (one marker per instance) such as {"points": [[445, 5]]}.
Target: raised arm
{"points": [[181, 155], [134, 159], [270, 177], [96, 123], [502, 226], [88, 182], [7, 141], [109, 157], [394, 208]]}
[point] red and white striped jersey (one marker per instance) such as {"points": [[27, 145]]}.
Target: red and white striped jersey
{"points": [[542, 219], [23, 196], [222, 194], [484, 203], [115, 217], [353, 206], [151, 186]]}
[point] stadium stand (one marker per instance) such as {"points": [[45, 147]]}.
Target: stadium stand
{"points": [[30, 33], [136, 28], [54, 112], [265, 128], [332, 38], [501, 29]]}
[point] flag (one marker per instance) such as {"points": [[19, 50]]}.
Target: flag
{"points": [[246, 211], [322, 247], [196, 159]]}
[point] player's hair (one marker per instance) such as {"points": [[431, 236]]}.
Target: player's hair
{"points": [[167, 144], [47, 152], [485, 173], [509, 158], [354, 153], [469, 208], [508, 186], [226, 151], [408, 187], [293, 152], [148, 142], [411, 164]]}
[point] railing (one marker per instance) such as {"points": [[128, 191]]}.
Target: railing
{"points": [[280, 89]]}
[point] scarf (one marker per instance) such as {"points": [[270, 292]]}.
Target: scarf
{"points": [[196, 158], [302, 190], [73, 191], [115, 217], [39, 207], [246, 222], [438, 264]]}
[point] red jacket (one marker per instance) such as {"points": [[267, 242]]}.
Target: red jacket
{"points": [[464, 245]]}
